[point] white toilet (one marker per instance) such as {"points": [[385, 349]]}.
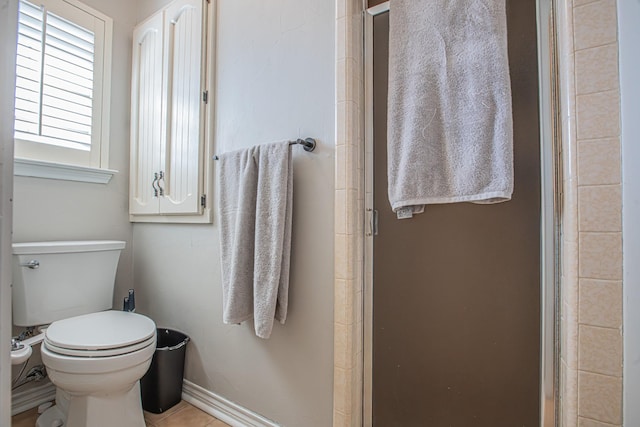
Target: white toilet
{"points": [[95, 356]]}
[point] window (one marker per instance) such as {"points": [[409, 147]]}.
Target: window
{"points": [[62, 83]]}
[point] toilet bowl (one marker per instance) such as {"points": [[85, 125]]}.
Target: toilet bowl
{"points": [[96, 362], [94, 356]]}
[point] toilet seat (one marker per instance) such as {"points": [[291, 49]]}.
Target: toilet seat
{"points": [[102, 334], [98, 353]]}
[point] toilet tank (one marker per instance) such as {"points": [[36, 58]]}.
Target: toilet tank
{"points": [[57, 280]]}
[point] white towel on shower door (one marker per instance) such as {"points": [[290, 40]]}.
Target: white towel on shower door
{"points": [[450, 136], [255, 211]]}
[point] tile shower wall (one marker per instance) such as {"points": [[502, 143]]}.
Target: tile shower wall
{"points": [[591, 367], [349, 203]]}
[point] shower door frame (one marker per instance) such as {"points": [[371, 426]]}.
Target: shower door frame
{"points": [[550, 205]]}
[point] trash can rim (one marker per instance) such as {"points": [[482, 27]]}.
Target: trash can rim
{"points": [[174, 347]]}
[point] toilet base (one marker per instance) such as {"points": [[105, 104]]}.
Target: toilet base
{"points": [[108, 410], [51, 417]]}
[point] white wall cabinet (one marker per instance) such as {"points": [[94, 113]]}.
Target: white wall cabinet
{"points": [[169, 169]]}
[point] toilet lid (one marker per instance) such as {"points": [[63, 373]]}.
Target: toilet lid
{"points": [[105, 330]]}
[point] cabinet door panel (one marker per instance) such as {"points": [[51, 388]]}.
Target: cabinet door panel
{"points": [[146, 115], [183, 99]]}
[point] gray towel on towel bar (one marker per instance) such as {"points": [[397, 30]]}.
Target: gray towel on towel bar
{"points": [[255, 211], [449, 111]]}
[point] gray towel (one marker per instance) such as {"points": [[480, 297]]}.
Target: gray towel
{"points": [[450, 136], [255, 207]]}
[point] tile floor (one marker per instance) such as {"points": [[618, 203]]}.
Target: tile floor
{"points": [[181, 415]]}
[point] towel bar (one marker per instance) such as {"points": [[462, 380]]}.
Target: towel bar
{"points": [[309, 144]]}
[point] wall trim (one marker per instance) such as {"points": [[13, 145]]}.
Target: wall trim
{"points": [[64, 172], [231, 413], [225, 410], [31, 398]]}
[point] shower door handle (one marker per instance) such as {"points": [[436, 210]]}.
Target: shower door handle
{"points": [[373, 222]]}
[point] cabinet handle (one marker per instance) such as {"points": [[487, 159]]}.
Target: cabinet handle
{"points": [[153, 184], [161, 177]]}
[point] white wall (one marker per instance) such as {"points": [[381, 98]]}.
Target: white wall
{"points": [[275, 81], [8, 24], [629, 36], [62, 210]]}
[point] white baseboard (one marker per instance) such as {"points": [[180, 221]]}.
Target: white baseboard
{"points": [[211, 403], [221, 408], [24, 400]]}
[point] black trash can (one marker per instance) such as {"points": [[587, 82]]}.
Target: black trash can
{"points": [[161, 386]]}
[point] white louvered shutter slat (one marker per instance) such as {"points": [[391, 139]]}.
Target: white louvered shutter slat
{"points": [[54, 87]]}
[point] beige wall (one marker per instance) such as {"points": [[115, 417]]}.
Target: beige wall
{"points": [[592, 281], [275, 81]]}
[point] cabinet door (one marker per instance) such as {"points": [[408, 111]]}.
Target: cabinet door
{"points": [[183, 100], [146, 116]]}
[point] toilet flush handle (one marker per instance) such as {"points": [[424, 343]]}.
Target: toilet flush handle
{"points": [[16, 344], [32, 264]]}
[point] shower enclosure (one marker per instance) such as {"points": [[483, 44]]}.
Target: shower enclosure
{"points": [[460, 320]]}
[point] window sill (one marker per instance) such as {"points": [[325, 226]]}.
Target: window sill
{"points": [[40, 169]]}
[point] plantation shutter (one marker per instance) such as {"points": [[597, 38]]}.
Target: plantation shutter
{"points": [[54, 86]]}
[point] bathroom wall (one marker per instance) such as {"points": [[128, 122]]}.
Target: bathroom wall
{"points": [[591, 367], [46, 209], [275, 81]]}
